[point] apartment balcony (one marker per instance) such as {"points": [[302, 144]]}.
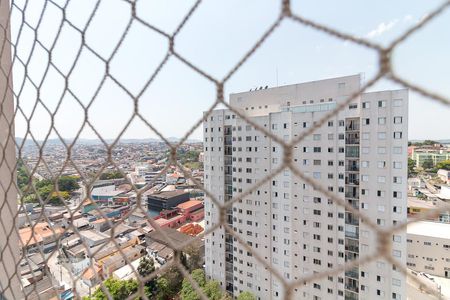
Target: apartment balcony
{"points": [[352, 168], [351, 295], [229, 267], [228, 141], [351, 181], [352, 288], [352, 154], [352, 127], [351, 248], [352, 141], [352, 194], [352, 221], [354, 203], [351, 231], [352, 235], [228, 161], [352, 273]]}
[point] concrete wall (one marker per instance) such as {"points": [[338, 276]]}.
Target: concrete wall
{"points": [[9, 242]]}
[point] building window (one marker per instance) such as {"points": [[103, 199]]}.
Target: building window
{"points": [[398, 135], [381, 135], [398, 120], [382, 103]]}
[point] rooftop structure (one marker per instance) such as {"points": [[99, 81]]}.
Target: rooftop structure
{"points": [[165, 200]]}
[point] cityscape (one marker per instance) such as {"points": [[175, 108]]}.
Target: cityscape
{"points": [[100, 232], [223, 150]]}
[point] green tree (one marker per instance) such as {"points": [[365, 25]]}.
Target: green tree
{"points": [[45, 191], [23, 180], [43, 183], [411, 166], [68, 183], [111, 175], [163, 289], [119, 289], [57, 198], [429, 142], [246, 296], [170, 283], [187, 156], [187, 291], [212, 290], [31, 198], [145, 268], [193, 258], [443, 165]]}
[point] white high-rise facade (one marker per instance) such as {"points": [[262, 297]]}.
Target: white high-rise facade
{"points": [[360, 155]]}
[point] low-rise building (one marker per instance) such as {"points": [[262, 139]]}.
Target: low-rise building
{"points": [[428, 248], [430, 154], [418, 206], [444, 175], [40, 235], [165, 200], [104, 194], [93, 238], [171, 222], [128, 271], [101, 225], [414, 184], [120, 259]]}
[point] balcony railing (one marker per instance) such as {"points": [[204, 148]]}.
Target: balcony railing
{"points": [[352, 168], [352, 194], [352, 273], [351, 181], [351, 248]]}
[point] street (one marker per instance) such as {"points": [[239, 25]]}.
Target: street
{"points": [[63, 276]]}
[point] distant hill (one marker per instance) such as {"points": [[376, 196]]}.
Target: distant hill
{"points": [[439, 141], [30, 142]]}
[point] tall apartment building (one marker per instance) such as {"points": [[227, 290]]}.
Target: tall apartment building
{"points": [[360, 155]]}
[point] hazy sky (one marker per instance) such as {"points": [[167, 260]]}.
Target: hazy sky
{"points": [[215, 39]]}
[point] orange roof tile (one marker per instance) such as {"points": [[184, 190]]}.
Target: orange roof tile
{"points": [[188, 204]]}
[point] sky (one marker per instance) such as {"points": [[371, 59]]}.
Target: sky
{"points": [[214, 39]]}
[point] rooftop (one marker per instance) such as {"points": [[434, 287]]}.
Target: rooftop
{"points": [[93, 235], [189, 204], [174, 235], [416, 202], [168, 194], [431, 229]]}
